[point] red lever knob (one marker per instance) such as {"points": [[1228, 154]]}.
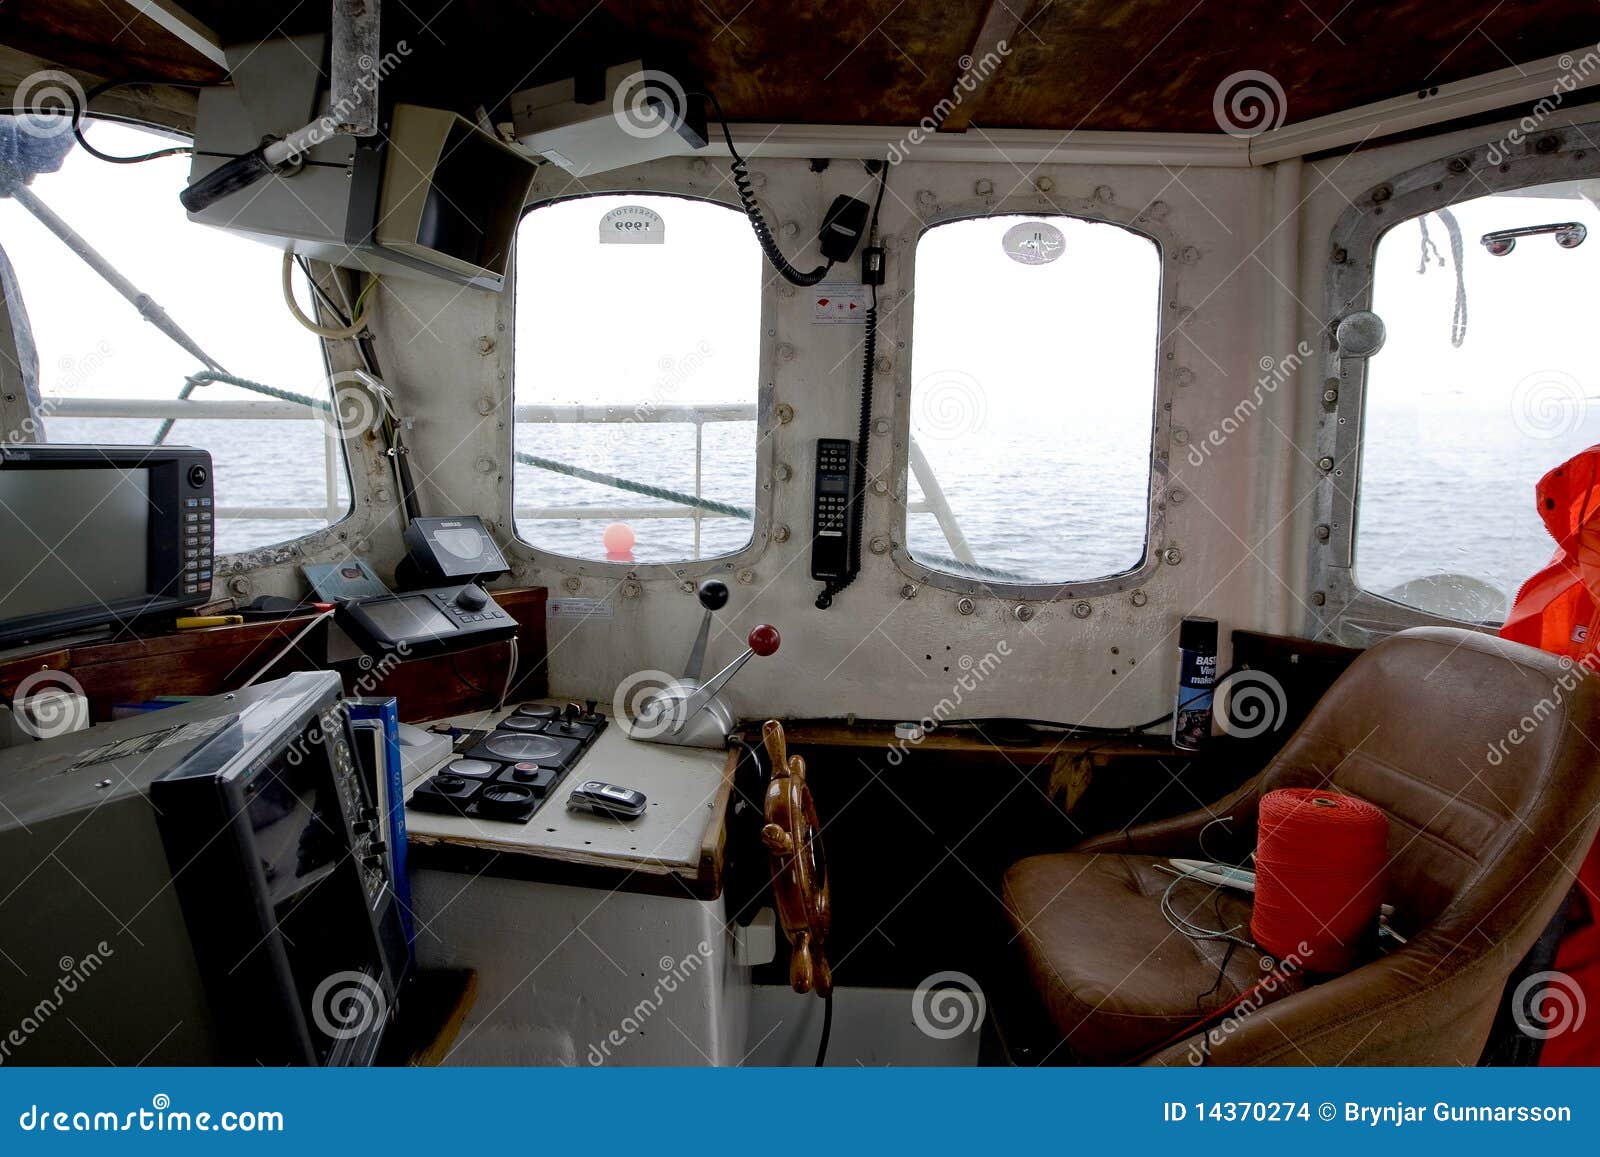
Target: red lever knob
{"points": [[764, 639]]}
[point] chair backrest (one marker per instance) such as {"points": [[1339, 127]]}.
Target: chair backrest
{"points": [[1485, 755]]}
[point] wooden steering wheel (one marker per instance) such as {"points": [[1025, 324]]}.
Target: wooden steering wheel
{"points": [[799, 868]]}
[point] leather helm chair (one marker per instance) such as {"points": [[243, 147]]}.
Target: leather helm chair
{"points": [[1484, 754]]}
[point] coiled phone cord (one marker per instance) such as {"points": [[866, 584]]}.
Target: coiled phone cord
{"points": [[747, 197]]}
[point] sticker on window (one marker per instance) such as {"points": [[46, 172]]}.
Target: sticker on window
{"points": [[1033, 242], [632, 225]]}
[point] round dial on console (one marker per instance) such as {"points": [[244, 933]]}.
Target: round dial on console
{"points": [[473, 768], [522, 723], [530, 748]]}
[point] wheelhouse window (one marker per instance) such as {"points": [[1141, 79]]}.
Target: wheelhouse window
{"points": [[108, 376], [1033, 397], [637, 376], [1486, 381]]}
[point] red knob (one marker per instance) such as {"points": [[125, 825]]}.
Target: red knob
{"points": [[764, 639]]}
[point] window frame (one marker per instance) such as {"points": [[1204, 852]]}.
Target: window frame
{"points": [[16, 407], [1172, 257], [1339, 609], [767, 418]]}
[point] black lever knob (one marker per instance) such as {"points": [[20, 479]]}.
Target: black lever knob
{"points": [[713, 594]]}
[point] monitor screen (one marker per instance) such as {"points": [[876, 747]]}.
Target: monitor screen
{"points": [[73, 538], [409, 617]]}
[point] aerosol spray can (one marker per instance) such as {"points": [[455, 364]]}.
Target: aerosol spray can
{"points": [[1197, 676]]}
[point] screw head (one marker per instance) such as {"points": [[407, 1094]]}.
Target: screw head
{"points": [[1081, 610], [1138, 598], [782, 472], [1172, 556], [1324, 464], [909, 591], [1023, 613], [632, 589], [747, 577], [965, 605], [780, 534]]}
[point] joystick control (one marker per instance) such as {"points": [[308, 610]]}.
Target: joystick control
{"points": [[470, 598]]}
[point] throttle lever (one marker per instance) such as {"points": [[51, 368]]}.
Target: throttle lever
{"points": [[713, 596], [763, 640]]}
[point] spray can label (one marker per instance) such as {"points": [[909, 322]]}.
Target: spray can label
{"points": [[1191, 720]]}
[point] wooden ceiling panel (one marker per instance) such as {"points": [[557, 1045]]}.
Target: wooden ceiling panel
{"points": [[1157, 64], [109, 39], [1150, 65]]}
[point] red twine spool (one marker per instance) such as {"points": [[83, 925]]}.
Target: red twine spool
{"points": [[1321, 861]]}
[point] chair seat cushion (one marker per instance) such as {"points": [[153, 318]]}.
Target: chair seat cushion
{"points": [[1116, 977]]}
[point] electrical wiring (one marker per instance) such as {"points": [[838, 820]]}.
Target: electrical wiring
{"points": [[1186, 926], [827, 1029], [78, 111], [391, 430], [287, 647], [511, 674], [333, 333]]}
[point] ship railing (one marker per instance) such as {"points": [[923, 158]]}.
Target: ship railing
{"points": [[669, 504]]}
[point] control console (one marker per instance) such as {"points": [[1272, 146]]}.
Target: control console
{"points": [[426, 622]]}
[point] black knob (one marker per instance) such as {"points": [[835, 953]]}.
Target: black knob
{"points": [[471, 598], [713, 594], [198, 475]]}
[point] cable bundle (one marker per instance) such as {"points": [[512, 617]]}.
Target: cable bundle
{"points": [[1321, 862]]}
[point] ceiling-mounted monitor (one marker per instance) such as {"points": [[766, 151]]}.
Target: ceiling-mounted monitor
{"points": [[431, 194]]}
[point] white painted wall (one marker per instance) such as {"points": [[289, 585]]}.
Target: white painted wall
{"points": [[1242, 528]]}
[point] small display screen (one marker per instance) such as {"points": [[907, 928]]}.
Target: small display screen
{"points": [[73, 538], [831, 484], [296, 824], [412, 617]]}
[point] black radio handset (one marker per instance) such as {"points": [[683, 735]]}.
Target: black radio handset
{"points": [[836, 527]]}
